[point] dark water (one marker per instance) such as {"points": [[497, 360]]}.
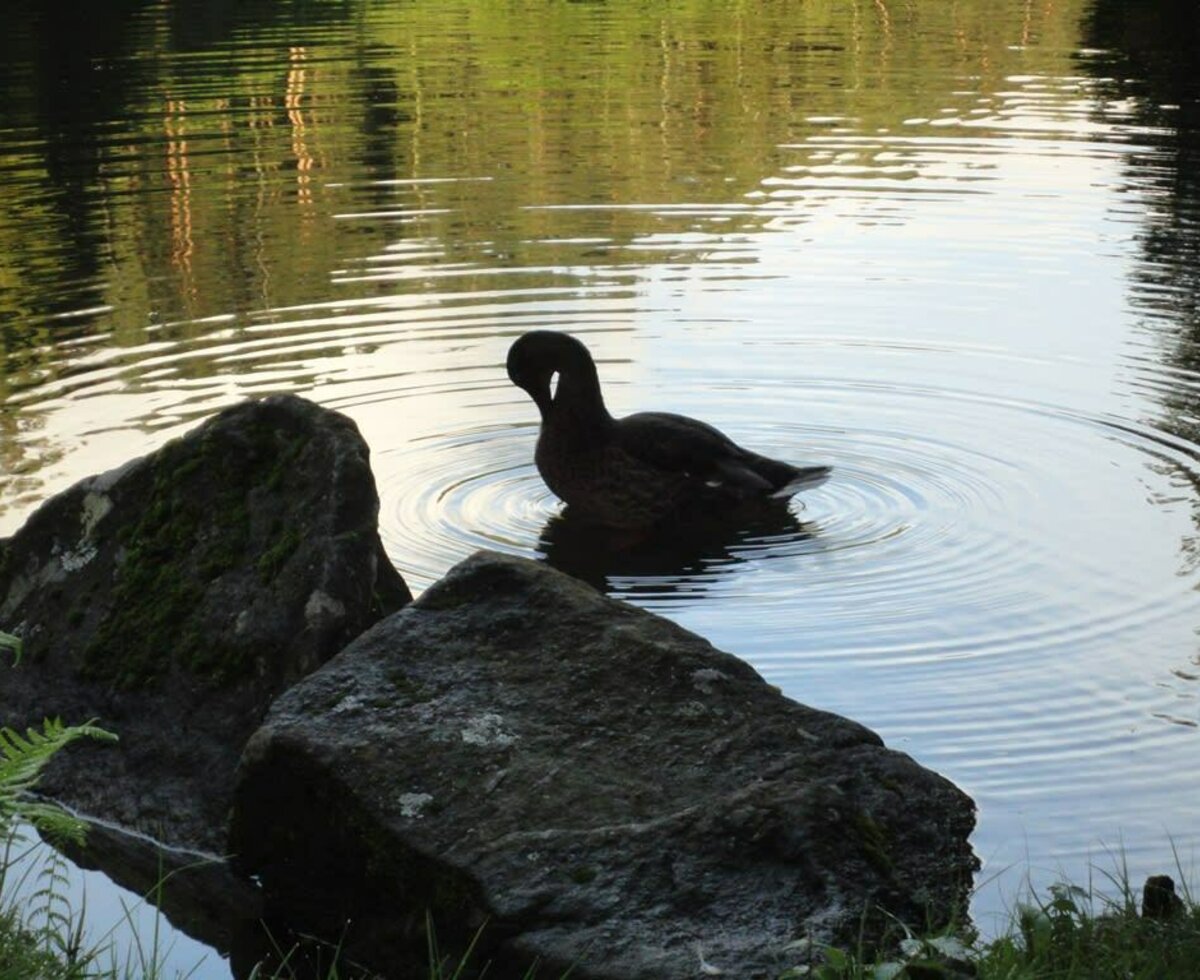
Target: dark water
{"points": [[953, 250]]}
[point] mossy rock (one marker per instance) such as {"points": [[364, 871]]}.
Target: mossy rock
{"points": [[175, 597]]}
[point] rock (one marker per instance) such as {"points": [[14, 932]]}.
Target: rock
{"points": [[1159, 900], [591, 785], [173, 598]]}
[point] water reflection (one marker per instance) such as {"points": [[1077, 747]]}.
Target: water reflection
{"points": [[216, 163], [1144, 56], [682, 560]]}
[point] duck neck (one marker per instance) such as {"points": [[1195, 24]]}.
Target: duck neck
{"points": [[578, 403]]}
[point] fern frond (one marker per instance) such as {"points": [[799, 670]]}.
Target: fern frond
{"points": [[55, 823], [13, 643], [22, 759]]}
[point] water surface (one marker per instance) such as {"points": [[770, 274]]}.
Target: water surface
{"points": [[950, 249]]}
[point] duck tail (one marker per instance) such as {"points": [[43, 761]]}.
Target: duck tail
{"points": [[784, 479], [804, 478]]}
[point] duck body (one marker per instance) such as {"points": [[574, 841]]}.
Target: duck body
{"points": [[641, 470]]}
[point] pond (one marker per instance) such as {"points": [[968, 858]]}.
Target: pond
{"points": [[951, 249]]}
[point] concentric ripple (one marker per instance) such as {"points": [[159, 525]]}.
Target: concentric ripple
{"points": [[945, 544], [450, 495]]}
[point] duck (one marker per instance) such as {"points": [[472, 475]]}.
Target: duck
{"points": [[643, 470]]}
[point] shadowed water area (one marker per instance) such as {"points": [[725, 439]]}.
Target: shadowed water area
{"points": [[952, 249]]}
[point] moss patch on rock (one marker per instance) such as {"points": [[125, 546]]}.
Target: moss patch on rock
{"points": [[182, 542], [216, 516]]}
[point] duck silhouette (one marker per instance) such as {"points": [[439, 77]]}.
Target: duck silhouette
{"points": [[642, 470]]}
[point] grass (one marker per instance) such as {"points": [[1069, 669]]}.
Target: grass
{"points": [[1075, 932], [1068, 932]]}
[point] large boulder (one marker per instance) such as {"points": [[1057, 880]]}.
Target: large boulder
{"points": [[173, 598], [586, 784]]}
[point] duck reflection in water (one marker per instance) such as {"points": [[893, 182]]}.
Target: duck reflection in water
{"points": [[673, 557]]}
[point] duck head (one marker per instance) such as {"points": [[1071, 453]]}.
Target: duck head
{"points": [[535, 358]]}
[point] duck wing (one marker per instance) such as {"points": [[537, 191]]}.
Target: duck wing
{"points": [[684, 445]]}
